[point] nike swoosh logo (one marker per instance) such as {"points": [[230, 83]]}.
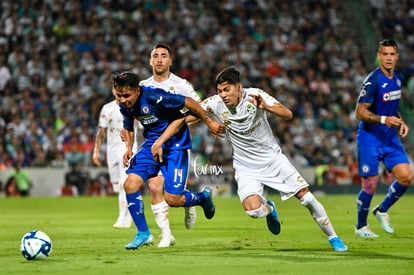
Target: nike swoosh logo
{"points": [[159, 100], [131, 204]]}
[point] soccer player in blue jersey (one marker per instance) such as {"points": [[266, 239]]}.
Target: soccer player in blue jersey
{"points": [[156, 109], [378, 141]]}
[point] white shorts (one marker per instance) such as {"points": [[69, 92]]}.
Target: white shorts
{"points": [[116, 171], [279, 175]]}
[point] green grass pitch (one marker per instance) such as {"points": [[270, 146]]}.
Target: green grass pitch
{"points": [[84, 241]]}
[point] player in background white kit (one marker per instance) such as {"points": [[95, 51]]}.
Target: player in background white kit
{"points": [[110, 124], [161, 61], [258, 160]]}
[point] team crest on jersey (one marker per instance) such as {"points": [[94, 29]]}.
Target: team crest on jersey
{"points": [[225, 115], [363, 92], [365, 168], [171, 90], [145, 109]]}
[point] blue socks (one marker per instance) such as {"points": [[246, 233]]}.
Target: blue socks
{"points": [[136, 209], [363, 204], [395, 191], [193, 198]]}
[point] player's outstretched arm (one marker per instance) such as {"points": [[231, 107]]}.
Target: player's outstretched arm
{"points": [[173, 128], [276, 108], [195, 109]]}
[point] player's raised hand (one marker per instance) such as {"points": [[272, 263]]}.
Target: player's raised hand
{"points": [[257, 100]]}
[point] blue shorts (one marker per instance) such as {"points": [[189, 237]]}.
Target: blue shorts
{"points": [[369, 158], [174, 168]]}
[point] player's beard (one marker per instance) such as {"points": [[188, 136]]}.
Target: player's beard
{"points": [[160, 70]]}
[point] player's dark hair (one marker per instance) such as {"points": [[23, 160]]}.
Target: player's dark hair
{"points": [[387, 43], [230, 75], [125, 79], [163, 46]]}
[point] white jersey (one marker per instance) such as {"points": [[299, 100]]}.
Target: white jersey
{"points": [[254, 145], [112, 119], [174, 84]]}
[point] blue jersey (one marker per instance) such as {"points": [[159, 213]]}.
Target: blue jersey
{"points": [[156, 109], [384, 96]]}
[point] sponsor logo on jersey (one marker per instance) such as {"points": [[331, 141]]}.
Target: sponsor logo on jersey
{"points": [[149, 119], [394, 95], [250, 130]]}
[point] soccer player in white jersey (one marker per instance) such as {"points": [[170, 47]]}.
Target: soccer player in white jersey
{"points": [[161, 61], [110, 124], [258, 160]]}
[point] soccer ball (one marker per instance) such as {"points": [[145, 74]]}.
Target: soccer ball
{"points": [[36, 245]]}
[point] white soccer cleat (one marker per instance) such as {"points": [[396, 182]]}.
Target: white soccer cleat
{"points": [[365, 232], [122, 223], [167, 241], [150, 241], [190, 217], [384, 219]]}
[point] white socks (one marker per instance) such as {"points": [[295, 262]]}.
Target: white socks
{"points": [[261, 212], [123, 205], [160, 212], [318, 213]]}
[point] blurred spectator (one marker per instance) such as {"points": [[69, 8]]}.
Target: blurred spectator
{"points": [[11, 189], [23, 182], [5, 74], [78, 178], [69, 190], [73, 155], [353, 169], [333, 175], [59, 161]]}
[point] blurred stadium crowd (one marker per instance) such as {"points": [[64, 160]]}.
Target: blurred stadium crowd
{"points": [[57, 57]]}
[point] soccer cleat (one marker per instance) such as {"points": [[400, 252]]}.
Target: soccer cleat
{"points": [[338, 245], [142, 238], [167, 241], [365, 232], [384, 219], [208, 205], [150, 241], [122, 223], [190, 217], [272, 220]]}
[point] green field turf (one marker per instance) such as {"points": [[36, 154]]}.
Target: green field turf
{"points": [[84, 241]]}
